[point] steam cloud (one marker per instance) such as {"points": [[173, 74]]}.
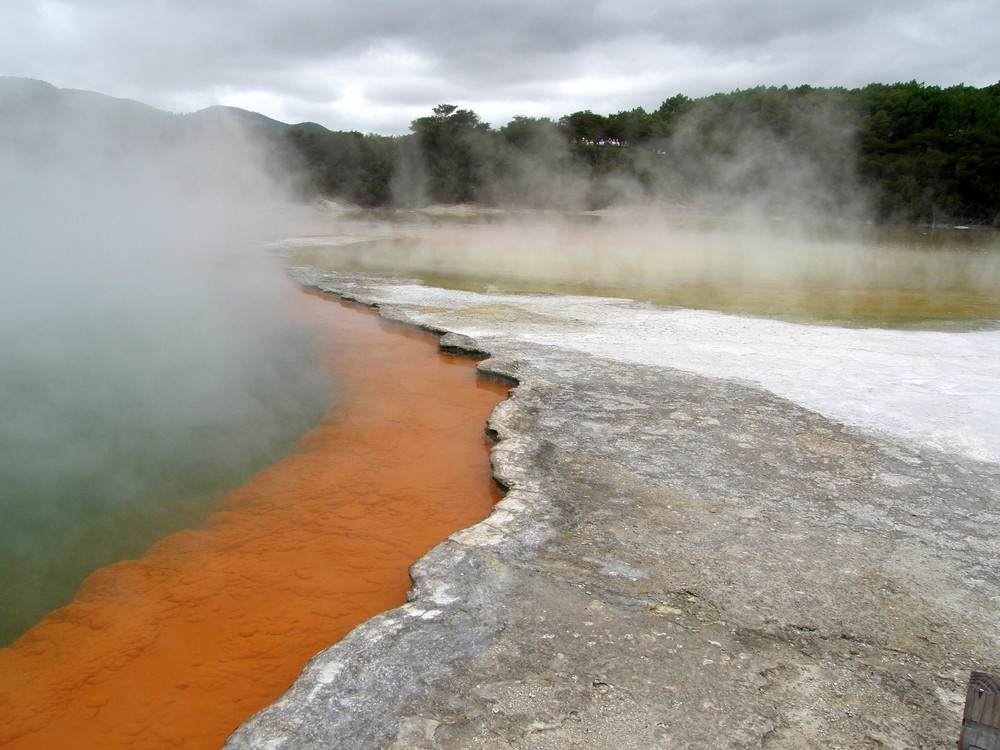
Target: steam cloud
{"points": [[147, 359], [723, 203]]}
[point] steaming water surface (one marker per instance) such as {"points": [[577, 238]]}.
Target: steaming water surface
{"points": [[118, 435], [845, 274]]}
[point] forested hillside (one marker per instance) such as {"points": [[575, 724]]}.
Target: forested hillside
{"points": [[901, 152]]}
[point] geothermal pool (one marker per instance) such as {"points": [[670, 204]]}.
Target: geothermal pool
{"points": [[851, 274], [217, 592], [178, 647]]}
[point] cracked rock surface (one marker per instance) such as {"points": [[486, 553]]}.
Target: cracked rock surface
{"points": [[680, 561]]}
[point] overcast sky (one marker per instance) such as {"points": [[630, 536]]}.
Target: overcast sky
{"points": [[375, 65]]}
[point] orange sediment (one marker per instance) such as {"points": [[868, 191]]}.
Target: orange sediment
{"points": [[177, 648]]}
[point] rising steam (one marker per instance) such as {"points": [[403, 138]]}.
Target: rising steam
{"points": [[724, 212], [147, 360]]}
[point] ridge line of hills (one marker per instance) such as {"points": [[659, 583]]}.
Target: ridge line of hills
{"points": [[44, 93]]}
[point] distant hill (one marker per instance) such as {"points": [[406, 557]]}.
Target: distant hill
{"points": [[312, 127], [253, 120], [29, 92], [31, 110], [34, 100], [55, 125]]}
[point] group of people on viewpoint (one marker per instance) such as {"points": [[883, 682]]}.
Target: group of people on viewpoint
{"points": [[602, 142]]}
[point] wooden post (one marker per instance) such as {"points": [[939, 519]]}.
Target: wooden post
{"points": [[981, 721]]}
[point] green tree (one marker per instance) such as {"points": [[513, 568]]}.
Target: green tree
{"points": [[584, 126], [455, 149]]}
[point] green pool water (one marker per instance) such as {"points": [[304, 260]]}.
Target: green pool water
{"points": [[107, 446]]}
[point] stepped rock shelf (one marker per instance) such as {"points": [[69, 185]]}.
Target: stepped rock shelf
{"points": [[679, 561]]}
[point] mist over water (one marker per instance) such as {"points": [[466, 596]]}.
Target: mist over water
{"points": [[818, 270], [754, 204], [148, 363]]}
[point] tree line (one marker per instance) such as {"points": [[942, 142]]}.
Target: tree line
{"points": [[902, 152]]}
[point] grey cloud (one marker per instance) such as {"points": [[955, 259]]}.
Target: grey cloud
{"points": [[312, 57]]}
